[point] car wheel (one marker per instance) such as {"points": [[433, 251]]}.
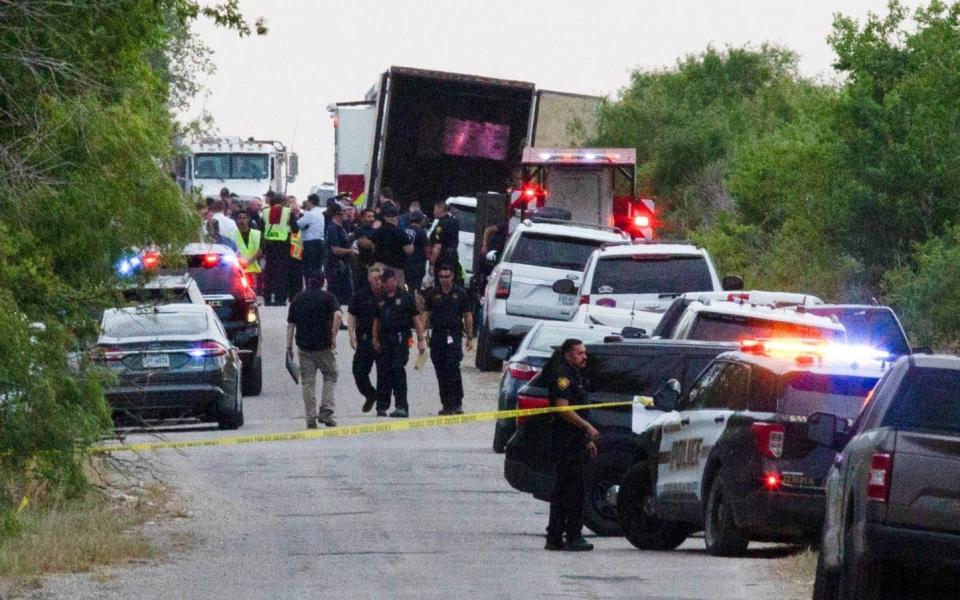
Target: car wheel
{"points": [[232, 419], [721, 533], [602, 477], [826, 586], [484, 360], [861, 578], [638, 519], [253, 378]]}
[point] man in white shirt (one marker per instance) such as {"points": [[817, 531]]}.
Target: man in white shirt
{"points": [[312, 230], [228, 228]]}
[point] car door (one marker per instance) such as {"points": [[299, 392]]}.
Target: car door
{"points": [[686, 443]]}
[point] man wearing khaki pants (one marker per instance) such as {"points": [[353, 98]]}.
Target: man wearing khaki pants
{"points": [[314, 320]]}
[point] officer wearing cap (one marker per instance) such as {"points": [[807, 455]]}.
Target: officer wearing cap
{"points": [[363, 311], [396, 313], [448, 312], [445, 239], [574, 440]]}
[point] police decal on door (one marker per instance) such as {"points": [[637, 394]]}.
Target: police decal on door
{"points": [[685, 454]]}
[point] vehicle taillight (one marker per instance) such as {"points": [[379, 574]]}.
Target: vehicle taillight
{"points": [[210, 260], [879, 476], [252, 314], [503, 283], [244, 282], [585, 299], [769, 439], [208, 348], [524, 402], [105, 353], [772, 481], [522, 371]]}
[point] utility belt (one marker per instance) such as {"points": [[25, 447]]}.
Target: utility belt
{"points": [[395, 337]]}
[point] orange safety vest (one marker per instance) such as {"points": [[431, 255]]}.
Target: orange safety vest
{"points": [[296, 246]]}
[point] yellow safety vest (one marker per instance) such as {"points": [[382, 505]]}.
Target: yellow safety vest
{"points": [[279, 232], [296, 246], [249, 250]]}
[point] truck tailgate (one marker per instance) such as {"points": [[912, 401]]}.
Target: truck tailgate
{"points": [[925, 487]]}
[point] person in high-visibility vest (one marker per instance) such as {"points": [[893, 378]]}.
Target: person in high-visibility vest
{"points": [[276, 249], [248, 244], [295, 267]]}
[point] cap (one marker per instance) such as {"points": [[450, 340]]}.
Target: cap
{"points": [[417, 217], [388, 273], [390, 211]]}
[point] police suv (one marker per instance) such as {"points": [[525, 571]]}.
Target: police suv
{"points": [[732, 457]]}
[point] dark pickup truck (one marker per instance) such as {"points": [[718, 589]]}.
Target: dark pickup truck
{"points": [[893, 494]]}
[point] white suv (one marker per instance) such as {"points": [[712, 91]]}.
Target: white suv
{"points": [[520, 290]]}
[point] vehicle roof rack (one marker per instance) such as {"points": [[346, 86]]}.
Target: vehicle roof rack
{"points": [[547, 221]]}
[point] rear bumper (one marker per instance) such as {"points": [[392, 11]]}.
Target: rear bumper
{"points": [[244, 336], [929, 548], [170, 401], [781, 515], [524, 479]]}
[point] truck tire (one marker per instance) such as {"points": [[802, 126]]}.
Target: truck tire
{"points": [[253, 377], [638, 521], [826, 586], [721, 533], [484, 361], [601, 476]]}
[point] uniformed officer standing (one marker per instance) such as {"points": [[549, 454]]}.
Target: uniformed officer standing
{"points": [[276, 248], [445, 240], [574, 440], [363, 311], [448, 313], [396, 313]]}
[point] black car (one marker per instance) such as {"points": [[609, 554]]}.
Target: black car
{"points": [[892, 527], [732, 458], [171, 361], [616, 371], [227, 290]]}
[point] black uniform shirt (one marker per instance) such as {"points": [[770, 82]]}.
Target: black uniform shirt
{"points": [[447, 233], [312, 312], [365, 256], [388, 243], [566, 383], [447, 310], [363, 306], [396, 317]]}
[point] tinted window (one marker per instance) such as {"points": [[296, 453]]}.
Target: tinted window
{"points": [[734, 328], [467, 217], [928, 400], [223, 278], [547, 337], [151, 324], [764, 390], [807, 393], [622, 375], [651, 275], [876, 327], [729, 390], [556, 252]]}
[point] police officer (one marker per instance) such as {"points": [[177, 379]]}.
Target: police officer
{"points": [[396, 313], [445, 239], [363, 311], [276, 249], [448, 311], [574, 440]]}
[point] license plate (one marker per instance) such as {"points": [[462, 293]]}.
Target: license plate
{"points": [[567, 299], [156, 361]]}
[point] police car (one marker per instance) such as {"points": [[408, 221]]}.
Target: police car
{"points": [[732, 457]]}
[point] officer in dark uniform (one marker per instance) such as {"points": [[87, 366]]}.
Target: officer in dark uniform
{"points": [[396, 313], [448, 312], [363, 311], [445, 239], [574, 440]]}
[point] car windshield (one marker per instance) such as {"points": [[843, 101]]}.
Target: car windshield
{"points": [[929, 400], [734, 328], [806, 393], [231, 166], [875, 327], [466, 215], [553, 251], [651, 275], [150, 324], [547, 337]]}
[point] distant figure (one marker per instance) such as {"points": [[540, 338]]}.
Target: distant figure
{"points": [[214, 236]]}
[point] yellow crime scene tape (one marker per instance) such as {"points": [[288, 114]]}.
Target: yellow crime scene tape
{"points": [[351, 430]]}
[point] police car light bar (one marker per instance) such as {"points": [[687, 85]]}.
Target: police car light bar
{"points": [[805, 350]]}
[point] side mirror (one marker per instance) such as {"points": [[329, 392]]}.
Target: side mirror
{"points": [[492, 256], [633, 333], [732, 283], [293, 167], [822, 429], [667, 398], [565, 286]]}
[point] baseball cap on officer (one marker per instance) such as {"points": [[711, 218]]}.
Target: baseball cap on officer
{"points": [[390, 210]]}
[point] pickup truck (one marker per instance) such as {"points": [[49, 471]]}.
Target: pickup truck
{"points": [[893, 494]]}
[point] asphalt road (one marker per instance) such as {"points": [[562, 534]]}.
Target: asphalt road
{"points": [[423, 514]]}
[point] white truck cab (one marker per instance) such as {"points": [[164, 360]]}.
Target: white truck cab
{"points": [[249, 168]]}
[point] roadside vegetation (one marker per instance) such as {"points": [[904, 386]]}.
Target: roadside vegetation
{"points": [[847, 188], [87, 129]]}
